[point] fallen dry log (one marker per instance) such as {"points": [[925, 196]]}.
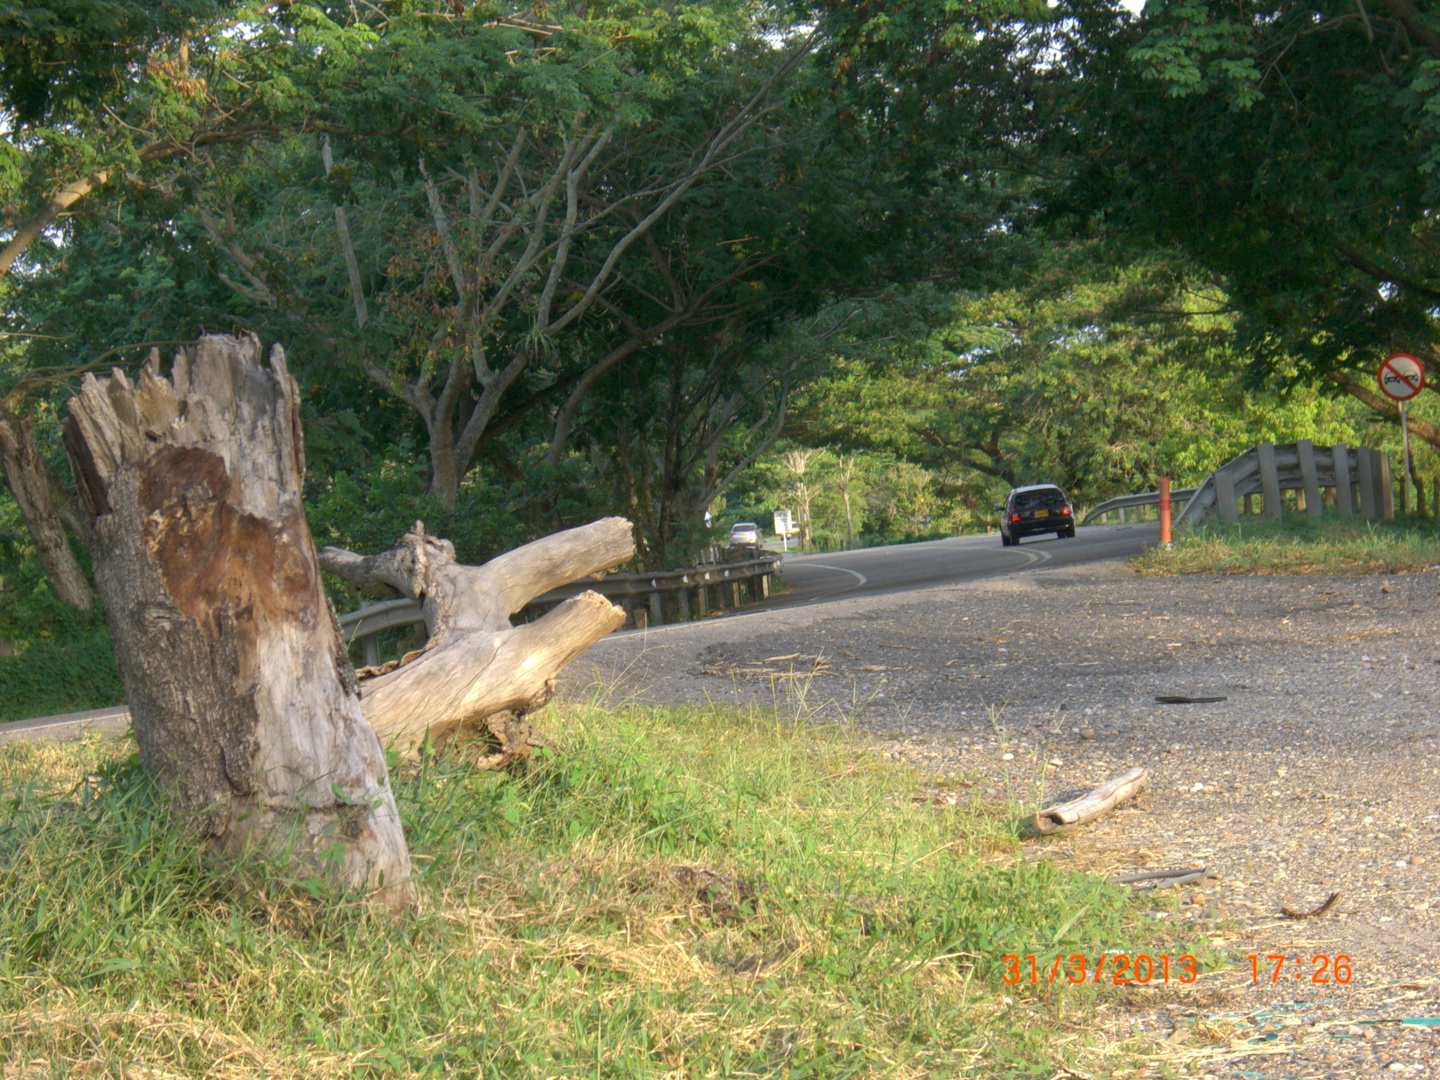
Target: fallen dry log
{"points": [[1091, 805], [477, 671]]}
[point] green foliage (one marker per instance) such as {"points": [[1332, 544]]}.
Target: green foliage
{"points": [[1286, 147], [1096, 374], [554, 938], [56, 659], [371, 507]]}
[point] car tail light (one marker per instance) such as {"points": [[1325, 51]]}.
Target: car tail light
{"points": [[1014, 517], [1066, 510]]}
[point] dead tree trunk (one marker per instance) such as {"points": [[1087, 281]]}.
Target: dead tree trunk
{"points": [[243, 701], [477, 670], [30, 482]]}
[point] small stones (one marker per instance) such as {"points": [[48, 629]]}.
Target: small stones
{"points": [[1087, 734]]}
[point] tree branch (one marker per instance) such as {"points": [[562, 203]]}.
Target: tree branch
{"points": [[1405, 13], [347, 249], [1385, 407]]}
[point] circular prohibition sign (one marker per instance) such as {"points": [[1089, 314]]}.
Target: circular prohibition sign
{"points": [[1401, 377]]}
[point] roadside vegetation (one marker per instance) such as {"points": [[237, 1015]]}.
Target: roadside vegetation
{"points": [[53, 658], [1336, 544], [684, 892]]}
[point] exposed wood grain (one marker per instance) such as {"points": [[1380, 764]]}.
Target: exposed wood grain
{"points": [[244, 703], [1093, 804], [476, 664]]}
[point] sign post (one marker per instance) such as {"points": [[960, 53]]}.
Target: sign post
{"points": [[782, 526], [1401, 377]]}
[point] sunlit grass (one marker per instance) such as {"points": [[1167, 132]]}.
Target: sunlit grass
{"points": [[1335, 544], [560, 934]]}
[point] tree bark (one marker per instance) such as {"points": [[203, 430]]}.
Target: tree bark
{"points": [[30, 482], [477, 670], [244, 704], [1420, 428]]}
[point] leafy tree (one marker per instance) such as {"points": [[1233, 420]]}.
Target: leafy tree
{"points": [[1286, 147], [1096, 376]]}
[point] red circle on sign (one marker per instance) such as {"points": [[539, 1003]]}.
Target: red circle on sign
{"points": [[1401, 377]]}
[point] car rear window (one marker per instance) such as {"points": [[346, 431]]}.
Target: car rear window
{"points": [[1045, 499]]}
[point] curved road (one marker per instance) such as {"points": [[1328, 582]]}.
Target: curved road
{"points": [[817, 578]]}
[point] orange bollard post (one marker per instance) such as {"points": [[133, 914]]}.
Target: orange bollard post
{"points": [[1165, 512]]}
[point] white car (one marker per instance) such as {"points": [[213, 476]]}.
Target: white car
{"points": [[745, 533]]}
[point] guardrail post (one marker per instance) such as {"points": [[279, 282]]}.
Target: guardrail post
{"points": [[1344, 497], [1365, 475], [765, 578], [1225, 496], [657, 609], [1309, 476], [702, 598], [684, 597], [1385, 484], [370, 642], [1165, 512], [1269, 480]]}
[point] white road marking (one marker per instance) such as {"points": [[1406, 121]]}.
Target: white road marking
{"points": [[860, 579], [1034, 556]]}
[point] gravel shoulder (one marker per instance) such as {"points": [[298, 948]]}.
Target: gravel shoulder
{"points": [[1317, 774]]}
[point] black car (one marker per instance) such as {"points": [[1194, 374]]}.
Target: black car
{"points": [[1039, 508]]}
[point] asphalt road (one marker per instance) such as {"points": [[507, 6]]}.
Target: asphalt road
{"points": [[814, 579], [869, 571]]}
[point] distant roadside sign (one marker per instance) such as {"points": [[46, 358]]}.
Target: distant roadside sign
{"points": [[1401, 377], [783, 525]]}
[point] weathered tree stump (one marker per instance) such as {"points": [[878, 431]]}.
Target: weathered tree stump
{"points": [[477, 671], [243, 700]]}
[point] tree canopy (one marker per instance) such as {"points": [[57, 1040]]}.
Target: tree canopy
{"points": [[536, 262]]}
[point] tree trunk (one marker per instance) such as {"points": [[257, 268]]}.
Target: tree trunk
{"points": [[444, 471], [30, 483], [244, 704], [477, 670]]}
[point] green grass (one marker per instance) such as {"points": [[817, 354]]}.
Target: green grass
{"points": [[1335, 544], [554, 939], [62, 660]]}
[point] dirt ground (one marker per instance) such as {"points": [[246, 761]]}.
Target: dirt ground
{"points": [[1316, 774]]}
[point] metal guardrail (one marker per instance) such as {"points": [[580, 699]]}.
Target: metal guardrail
{"points": [[681, 594], [1121, 503], [1358, 478]]}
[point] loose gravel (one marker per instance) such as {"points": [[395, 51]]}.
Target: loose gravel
{"points": [[1317, 773]]}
